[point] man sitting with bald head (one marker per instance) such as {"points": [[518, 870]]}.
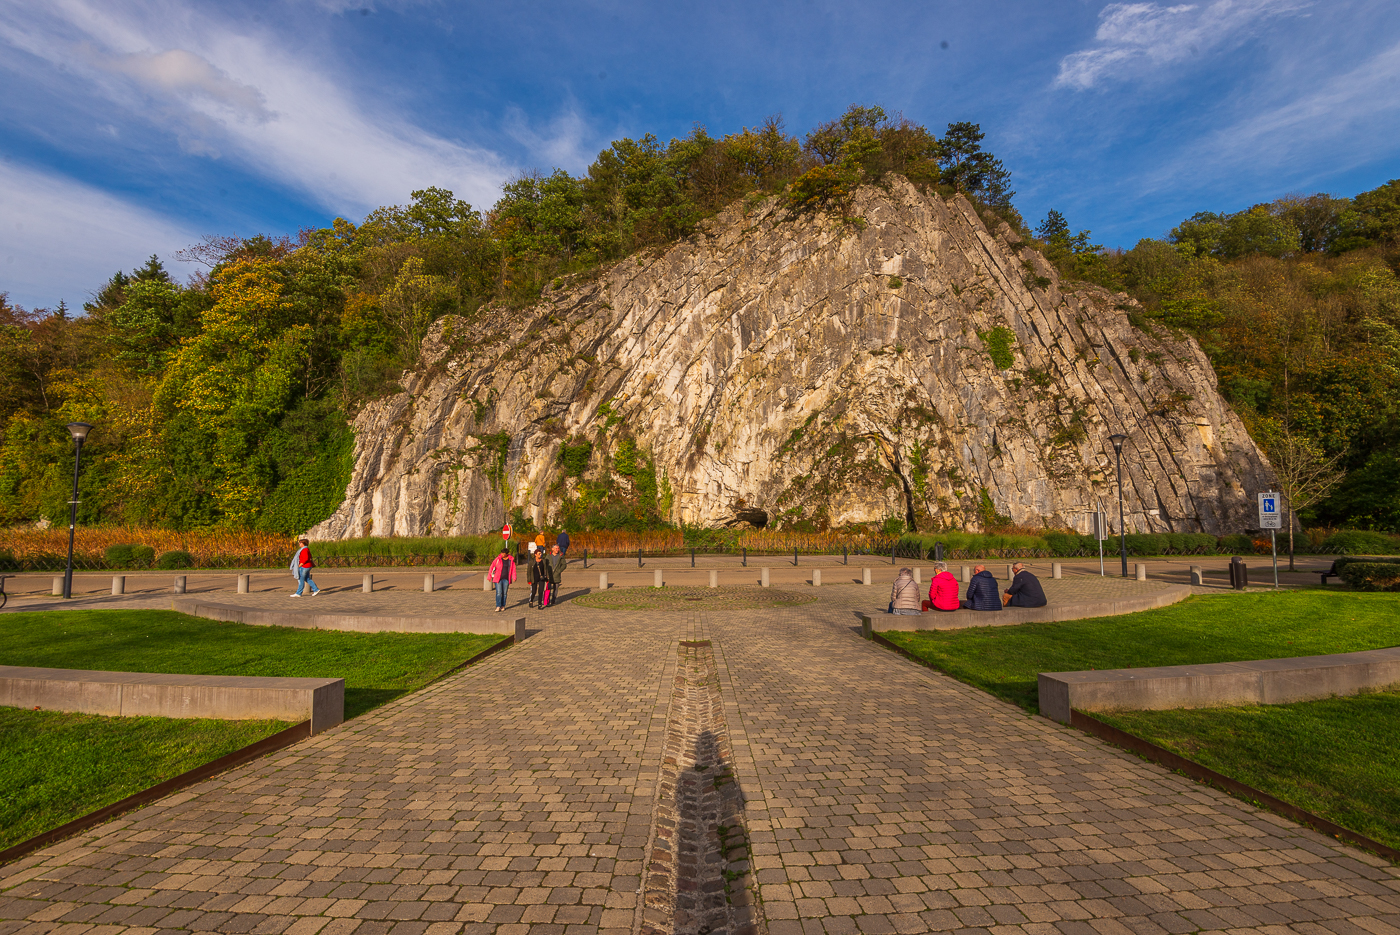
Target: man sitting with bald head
{"points": [[982, 590], [1025, 589]]}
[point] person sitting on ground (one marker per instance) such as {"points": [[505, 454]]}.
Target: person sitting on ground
{"points": [[904, 594], [982, 590], [502, 575], [1025, 589], [942, 589]]}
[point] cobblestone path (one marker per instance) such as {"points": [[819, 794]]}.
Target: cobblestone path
{"points": [[522, 795]]}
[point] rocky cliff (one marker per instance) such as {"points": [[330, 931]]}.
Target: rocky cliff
{"points": [[904, 361]]}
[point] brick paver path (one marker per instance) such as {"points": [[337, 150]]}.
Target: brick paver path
{"points": [[520, 795]]}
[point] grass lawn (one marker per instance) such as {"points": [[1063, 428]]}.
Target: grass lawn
{"points": [[1216, 628], [1338, 757], [377, 667], [55, 766]]}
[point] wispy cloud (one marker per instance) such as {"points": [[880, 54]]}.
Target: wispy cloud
{"points": [[225, 89], [61, 239], [565, 141], [1134, 38]]}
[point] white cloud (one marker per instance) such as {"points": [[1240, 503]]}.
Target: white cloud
{"points": [[1135, 37], [60, 239], [183, 74], [223, 89], [562, 142]]}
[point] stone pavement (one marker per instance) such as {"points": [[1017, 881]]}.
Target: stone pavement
{"points": [[524, 794]]}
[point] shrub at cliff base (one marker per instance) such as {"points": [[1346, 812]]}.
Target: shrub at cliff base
{"points": [[128, 556], [1372, 576], [177, 558], [1361, 542]]}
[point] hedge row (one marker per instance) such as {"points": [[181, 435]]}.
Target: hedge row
{"points": [[1370, 575]]}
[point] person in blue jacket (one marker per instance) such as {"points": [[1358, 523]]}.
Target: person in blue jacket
{"points": [[563, 543], [982, 591]]}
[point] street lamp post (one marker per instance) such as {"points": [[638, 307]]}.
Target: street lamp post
{"points": [[1118, 441], [79, 431]]}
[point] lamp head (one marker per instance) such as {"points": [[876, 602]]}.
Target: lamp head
{"points": [[1118, 441], [79, 430]]}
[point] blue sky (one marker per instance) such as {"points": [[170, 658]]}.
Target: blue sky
{"points": [[131, 128]]}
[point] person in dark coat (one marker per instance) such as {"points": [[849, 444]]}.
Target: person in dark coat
{"points": [[1025, 589], [537, 573], [982, 591], [563, 543]]}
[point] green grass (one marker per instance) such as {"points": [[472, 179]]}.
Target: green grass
{"points": [[55, 767], [1338, 758], [1225, 628], [377, 667]]}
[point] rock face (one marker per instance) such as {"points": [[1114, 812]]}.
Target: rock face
{"points": [[903, 362]]}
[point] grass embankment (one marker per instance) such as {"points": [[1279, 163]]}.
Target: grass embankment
{"points": [[1338, 758], [1224, 628], [55, 767]]}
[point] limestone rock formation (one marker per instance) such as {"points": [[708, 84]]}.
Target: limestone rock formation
{"points": [[904, 361]]}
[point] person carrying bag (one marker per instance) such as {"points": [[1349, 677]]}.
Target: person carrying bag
{"points": [[502, 575], [301, 567]]}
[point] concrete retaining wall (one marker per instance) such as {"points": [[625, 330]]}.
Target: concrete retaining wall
{"points": [[1264, 681], [133, 694], [961, 619], [357, 623]]}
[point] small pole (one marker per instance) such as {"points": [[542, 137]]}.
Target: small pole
{"points": [[746, 556], [794, 555], [1273, 546], [892, 548], [585, 558], [692, 557], [845, 559], [639, 558]]}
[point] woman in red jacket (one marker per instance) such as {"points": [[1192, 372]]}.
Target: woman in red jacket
{"points": [[942, 589], [502, 575]]}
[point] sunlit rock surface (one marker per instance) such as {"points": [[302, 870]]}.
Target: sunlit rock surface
{"points": [[785, 369]]}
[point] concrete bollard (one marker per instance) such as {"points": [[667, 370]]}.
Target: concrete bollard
{"points": [[865, 573], [428, 584], [1141, 568], [763, 577], [243, 584], [119, 584], [714, 578], [519, 629], [1197, 579], [602, 581], [866, 630], [1055, 570], [816, 577], [485, 582], [1009, 573], [656, 581], [367, 584], [965, 574], [58, 586], [918, 575], [179, 584]]}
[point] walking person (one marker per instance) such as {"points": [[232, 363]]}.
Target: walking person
{"points": [[537, 574], [301, 567], [502, 575], [563, 544], [557, 564]]}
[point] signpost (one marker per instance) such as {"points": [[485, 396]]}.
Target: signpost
{"points": [[1100, 533], [1271, 518], [505, 532]]}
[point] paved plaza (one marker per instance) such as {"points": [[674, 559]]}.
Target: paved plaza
{"points": [[544, 789]]}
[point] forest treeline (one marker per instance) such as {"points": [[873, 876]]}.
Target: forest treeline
{"points": [[224, 401]]}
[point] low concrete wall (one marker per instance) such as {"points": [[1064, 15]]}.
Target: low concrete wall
{"points": [[356, 623], [1264, 681], [133, 694], [961, 619]]}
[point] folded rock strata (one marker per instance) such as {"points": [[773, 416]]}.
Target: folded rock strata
{"points": [[904, 361]]}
